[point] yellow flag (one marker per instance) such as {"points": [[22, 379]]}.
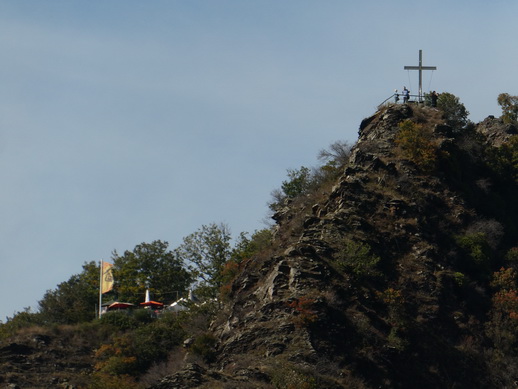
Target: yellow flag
{"points": [[107, 277]]}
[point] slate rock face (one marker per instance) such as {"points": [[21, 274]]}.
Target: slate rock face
{"points": [[496, 131], [298, 312], [42, 360]]}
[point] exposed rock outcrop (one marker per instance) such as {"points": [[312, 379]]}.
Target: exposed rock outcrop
{"points": [[400, 323]]}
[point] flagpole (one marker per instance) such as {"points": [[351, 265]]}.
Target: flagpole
{"points": [[100, 287]]}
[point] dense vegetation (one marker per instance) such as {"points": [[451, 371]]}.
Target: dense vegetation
{"points": [[129, 343]]}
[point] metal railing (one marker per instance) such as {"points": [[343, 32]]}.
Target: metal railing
{"points": [[397, 98]]}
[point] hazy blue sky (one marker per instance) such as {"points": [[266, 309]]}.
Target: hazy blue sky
{"points": [[128, 121]]}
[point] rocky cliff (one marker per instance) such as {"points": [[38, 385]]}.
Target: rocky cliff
{"points": [[373, 282]]}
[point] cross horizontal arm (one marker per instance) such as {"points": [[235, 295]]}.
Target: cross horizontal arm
{"points": [[420, 68]]}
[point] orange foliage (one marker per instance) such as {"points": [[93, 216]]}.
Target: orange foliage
{"points": [[303, 308]]}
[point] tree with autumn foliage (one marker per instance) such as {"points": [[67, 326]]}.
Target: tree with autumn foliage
{"points": [[509, 106], [416, 144]]}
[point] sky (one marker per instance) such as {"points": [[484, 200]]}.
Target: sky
{"points": [[129, 121]]}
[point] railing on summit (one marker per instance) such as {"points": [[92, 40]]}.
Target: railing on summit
{"points": [[397, 98]]}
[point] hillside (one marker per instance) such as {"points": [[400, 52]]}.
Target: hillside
{"points": [[383, 279], [397, 273], [45, 358]]}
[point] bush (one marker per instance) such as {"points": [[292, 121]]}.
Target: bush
{"points": [[144, 316], [107, 381], [122, 320], [459, 279], [357, 258], [137, 349], [503, 324], [492, 231], [203, 346], [113, 358], [153, 342], [415, 144], [476, 246], [476, 253], [305, 315], [288, 376], [334, 159], [511, 257], [503, 160], [19, 321]]}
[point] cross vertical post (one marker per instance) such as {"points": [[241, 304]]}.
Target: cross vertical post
{"points": [[420, 68]]}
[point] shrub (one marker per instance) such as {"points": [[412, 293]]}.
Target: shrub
{"points": [[144, 316], [334, 158], [229, 272], [203, 346], [303, 308], [503, 160], [107, 381], [137, 349], [492, 231], [504, 279], [122, 320], [416, 145], [395, 341], [395, 302], [175, 361], [391, 296], [459, 278], [112, 358], [288, 376], [503, 325], [152, 343], [511, 257], [19, 321], [477, 252], [357, 258]]}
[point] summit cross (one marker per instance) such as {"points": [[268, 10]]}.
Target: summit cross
{"points": [[420, 68]]}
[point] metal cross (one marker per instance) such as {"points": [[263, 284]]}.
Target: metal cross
{"points": [[420, 68]]}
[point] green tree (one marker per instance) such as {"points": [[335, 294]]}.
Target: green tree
{"points": [[207, 250], [503, 160], [509, 106], [454, 112], [299, 183], [20, 320], [245, 247], [72, 301], [153, 266]]}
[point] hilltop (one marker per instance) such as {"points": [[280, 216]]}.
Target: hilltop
{"points": [[396, 271], [385, 279]]}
